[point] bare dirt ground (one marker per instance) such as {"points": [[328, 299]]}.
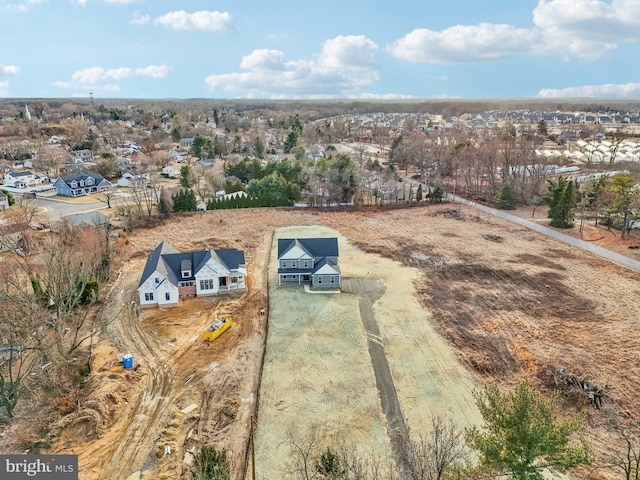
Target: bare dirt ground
{"points": [[355, 368], [510, 302]]}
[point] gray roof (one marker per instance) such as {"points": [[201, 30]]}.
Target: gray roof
{"points": [[82, 176], [168, 261], [25, 173], [316, 247]]}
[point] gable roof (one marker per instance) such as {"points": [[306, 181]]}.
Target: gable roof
{"points": [[315, 247], [169, 262], [326, 267], [82, 176]]}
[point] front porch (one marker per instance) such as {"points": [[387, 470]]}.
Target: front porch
{"points": [[293, 279]]}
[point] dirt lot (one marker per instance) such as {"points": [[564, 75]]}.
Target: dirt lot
{"points": [[356, 367], [510, 302]]}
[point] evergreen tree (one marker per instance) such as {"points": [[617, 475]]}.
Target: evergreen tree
{"points": [[210, 464], [562, 200], [184, 201], [259, 147], [419, 194], [292, 141], [506, 198], [523, 434], [187, 177], [202, 147]]}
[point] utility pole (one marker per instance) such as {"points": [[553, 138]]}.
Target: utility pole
{"points": [[91, 97]]}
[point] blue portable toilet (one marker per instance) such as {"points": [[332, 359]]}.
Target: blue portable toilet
{"points": [[127, 361]]}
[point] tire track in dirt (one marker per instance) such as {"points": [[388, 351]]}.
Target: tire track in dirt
{"points": [[137, 440], [368, 291]]}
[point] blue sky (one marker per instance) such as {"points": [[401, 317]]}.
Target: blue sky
{"points": [[309, 49]]}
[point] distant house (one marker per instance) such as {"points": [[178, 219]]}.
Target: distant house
{"points": [[90, 219], [170, 172], [4, 201], [206, 162], [170, 274], [24, 179], [130, 180], [186, 142], [80, 184], [81, 156], [308, 261], [180, 155]]}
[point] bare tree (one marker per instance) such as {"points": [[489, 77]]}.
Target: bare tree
{"points": [[107, 196], [21, 346], [433, 455]]}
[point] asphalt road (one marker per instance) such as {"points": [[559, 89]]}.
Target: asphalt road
{"points": [[60, 208]]}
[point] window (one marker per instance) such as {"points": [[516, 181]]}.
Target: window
{"points": [[305, 263], [319, 279], [333, 279], [82, 183], [148, 297], [167, 296], [74, 184], [186, 273], [283, 264], [157, 279], [206, 284]]}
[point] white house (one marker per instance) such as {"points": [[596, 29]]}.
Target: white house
{"points": [[170, 274], [25, 178], [128, 179], [170, 172]]}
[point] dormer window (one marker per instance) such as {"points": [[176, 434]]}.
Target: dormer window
{"points": [[82, 183], [89, 181], [185, 268], [74, 184]]}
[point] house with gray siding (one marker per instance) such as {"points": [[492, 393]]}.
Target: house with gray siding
{"points": [[170, 274], [80, 184], [308, 261]]}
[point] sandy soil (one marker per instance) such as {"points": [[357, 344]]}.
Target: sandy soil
{"points": [[504, 302], [317, 347]]}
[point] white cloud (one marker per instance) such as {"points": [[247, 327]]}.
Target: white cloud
{"points": [[462, 44], [204, 20], [139, 18], [587, 28], [610, 90], [81, 3], [153, 71], [570, 28], [9, 70], [25, 5], [99, 79], [121, 2], [4, 89], [344, 65]]}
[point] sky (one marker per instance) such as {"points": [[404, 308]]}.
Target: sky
{"points": [[320, 49]]}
